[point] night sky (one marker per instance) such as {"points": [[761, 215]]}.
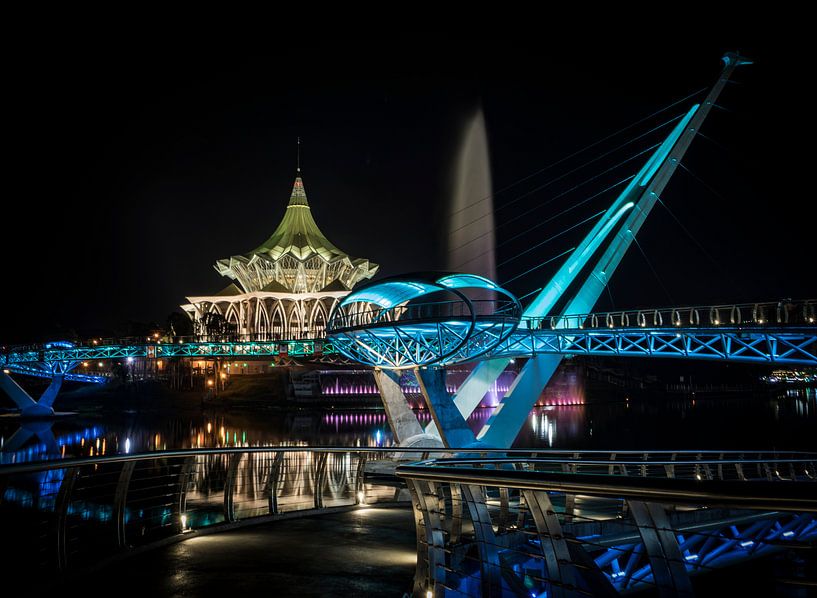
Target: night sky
{"points": [[130, 175]]}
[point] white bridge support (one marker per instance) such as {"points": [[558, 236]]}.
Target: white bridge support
{"points": [[28, 406], [404, 424]]}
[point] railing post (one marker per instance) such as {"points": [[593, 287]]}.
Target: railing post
{"points": [[184, 481], [61, 510], [455, 529], [669, 468], [272, 483], [360, 479], [320, 478], [491, 580], [229, 487], [119, 501], [661, 544], [560, 571], [430, 538]]}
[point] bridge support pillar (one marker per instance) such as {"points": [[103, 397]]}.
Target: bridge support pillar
{"points": [[28, 406], [472, 391], [403, 422], [450, 424], [509, 416]]}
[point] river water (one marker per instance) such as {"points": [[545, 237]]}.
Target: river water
{"points": [[784, 420]]}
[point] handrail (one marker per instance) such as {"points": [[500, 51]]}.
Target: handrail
{"points": [[561, 456], [484, 462], [785, 313], [754, 495], [342, 318], [78, 513]]}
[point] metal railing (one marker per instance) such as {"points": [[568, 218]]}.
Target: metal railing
{"points": [[233, 346], [771, 313], [120, 341], [344, 317], [601, 524], [67, 515]]}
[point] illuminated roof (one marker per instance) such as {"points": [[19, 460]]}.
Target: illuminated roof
{"points": [[297, 257], [389, 292], [298, 234], [421, 319]]}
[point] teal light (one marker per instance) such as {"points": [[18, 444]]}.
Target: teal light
{"points": [[542, 304], [661, 154], [462, 281], [390, 293]]}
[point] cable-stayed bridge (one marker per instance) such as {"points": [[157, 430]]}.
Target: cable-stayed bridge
{"points": [[490, 521]]}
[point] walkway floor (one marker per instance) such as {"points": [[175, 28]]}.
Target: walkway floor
{"points": [[365, 552]]}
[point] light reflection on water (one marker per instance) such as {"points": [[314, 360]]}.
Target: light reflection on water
{"points": [[787, 421]]}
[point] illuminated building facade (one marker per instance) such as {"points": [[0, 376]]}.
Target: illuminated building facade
{"points": [[286, 287]]}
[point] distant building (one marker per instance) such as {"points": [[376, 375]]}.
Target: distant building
{"points": [[286, 287]]}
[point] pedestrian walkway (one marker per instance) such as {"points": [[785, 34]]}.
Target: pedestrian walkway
{"points": [[364, 552]]}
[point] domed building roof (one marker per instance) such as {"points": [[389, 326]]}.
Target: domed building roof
{"points": [[297, 257]]}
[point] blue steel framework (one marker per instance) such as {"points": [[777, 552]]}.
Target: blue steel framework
{"points": [[763, 335], [405, 322], [796, 346], [602, 524]]}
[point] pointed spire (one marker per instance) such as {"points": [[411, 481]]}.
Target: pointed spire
{"points": [[298, 197]]}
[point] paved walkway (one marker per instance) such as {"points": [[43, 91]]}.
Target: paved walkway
{"points": [[365, 552]]}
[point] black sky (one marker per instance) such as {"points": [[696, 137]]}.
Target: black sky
{"points": [[132, 173]]}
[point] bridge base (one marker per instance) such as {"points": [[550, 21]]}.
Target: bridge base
{"points": [[30, 408]]}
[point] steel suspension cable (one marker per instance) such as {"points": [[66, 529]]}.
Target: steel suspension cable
{"points": [[537, 225], [565, 174], [557, 196], [582, 150], [551, 238], [542, 264], [653, 270]]}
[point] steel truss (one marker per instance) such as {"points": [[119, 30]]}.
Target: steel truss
{"points": [[785, 345], [422, 344], [782, 345], [201, 350], [44, 371]]}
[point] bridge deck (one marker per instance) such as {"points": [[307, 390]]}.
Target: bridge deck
{"points": [[365, 552]]}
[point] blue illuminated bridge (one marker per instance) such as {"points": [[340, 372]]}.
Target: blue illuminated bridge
{"points": [[439, 334], [489, 520], [457, 319]]}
